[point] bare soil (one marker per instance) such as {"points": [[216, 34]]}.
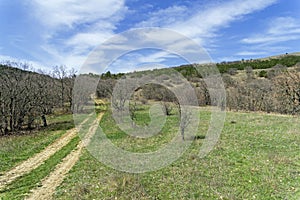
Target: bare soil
{"points": [[39, 158], [56, 177]]}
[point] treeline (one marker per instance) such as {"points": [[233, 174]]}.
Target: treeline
{"points": [[190, 71], [275, 89], [278, 92], [27, 97], [229, 67], [287, 60]]}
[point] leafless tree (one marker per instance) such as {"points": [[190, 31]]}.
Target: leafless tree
{"points": [[288, 86], [105, 88], [60, 72], [185, 119], [84, 91], [24, 97], [66, 78]]}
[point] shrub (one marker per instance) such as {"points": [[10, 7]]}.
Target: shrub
{"points": [[263, 73]]}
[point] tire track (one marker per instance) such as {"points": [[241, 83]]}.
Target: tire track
{"points": [[39, 158], [56, 177]]}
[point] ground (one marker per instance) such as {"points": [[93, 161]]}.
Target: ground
{"points": [[257, 157]]}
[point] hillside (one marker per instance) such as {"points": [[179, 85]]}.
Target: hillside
{"points": [[26, 97], [251, 85], [226, 67], [280, 56], [255, 157]]}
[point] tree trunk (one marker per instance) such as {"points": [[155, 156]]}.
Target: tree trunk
{"points": [[30, 122], [182, 133], [44, 121]]}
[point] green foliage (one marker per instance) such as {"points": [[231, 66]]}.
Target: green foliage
{"points": [[142, 118], [190, 71], [251, 160], [109, 75], [15, 149], [263, 73], [19, 188], [288, 61]]}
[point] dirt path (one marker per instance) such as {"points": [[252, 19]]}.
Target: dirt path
{"points": [[39, 158], [56, 177]]}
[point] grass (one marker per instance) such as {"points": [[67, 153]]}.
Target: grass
{"points": [[14, 149], [121, 139], [60, 122], [20, 187], [257, 157]]}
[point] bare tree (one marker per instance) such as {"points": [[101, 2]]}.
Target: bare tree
{"points": [[60, 72], [24, 97], [288, 86], [84, 92], [185, 119], [66, 78], [69, 83], [132, 112], [167, 107], [105, 88]]}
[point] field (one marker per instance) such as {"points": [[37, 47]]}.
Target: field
{"points": [[257, 157]]}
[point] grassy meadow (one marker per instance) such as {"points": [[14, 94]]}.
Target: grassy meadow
{"points": [[257, 157], [17, 148]]}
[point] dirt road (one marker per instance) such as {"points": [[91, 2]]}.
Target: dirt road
{"points": [[39, 158], [56, 177]]}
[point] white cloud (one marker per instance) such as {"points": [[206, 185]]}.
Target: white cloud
{"points": [[228, 58], [133, 60], [82, 42], [269, 39], [74, 27], [139, 60], [279, 30], [69, 13], [164, 17], [250, 53], [201, 23], [284, 25], [33, 65]]}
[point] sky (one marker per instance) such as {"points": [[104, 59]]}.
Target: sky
{"points": [[45, 34]]}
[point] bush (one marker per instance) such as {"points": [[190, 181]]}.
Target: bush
{"points": [[263, 73], [232, 71]]}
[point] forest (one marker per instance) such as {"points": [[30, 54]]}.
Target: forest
{"points": [[26, 97]]}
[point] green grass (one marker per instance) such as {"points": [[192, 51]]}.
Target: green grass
{"points": [[60, 122], [257, 157], [121, 139], [14, 149], [20, 187]]}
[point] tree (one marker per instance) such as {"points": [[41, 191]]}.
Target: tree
{"points": [[249, 73], [45, 96], [69, 83], [66, 78], [276, 70], [84, 91], [105, 88], [185, 119], [25, 97], [60, 72], [288, 92]]}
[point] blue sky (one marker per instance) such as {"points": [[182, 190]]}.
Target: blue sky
{"points": [[64, 32]]}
